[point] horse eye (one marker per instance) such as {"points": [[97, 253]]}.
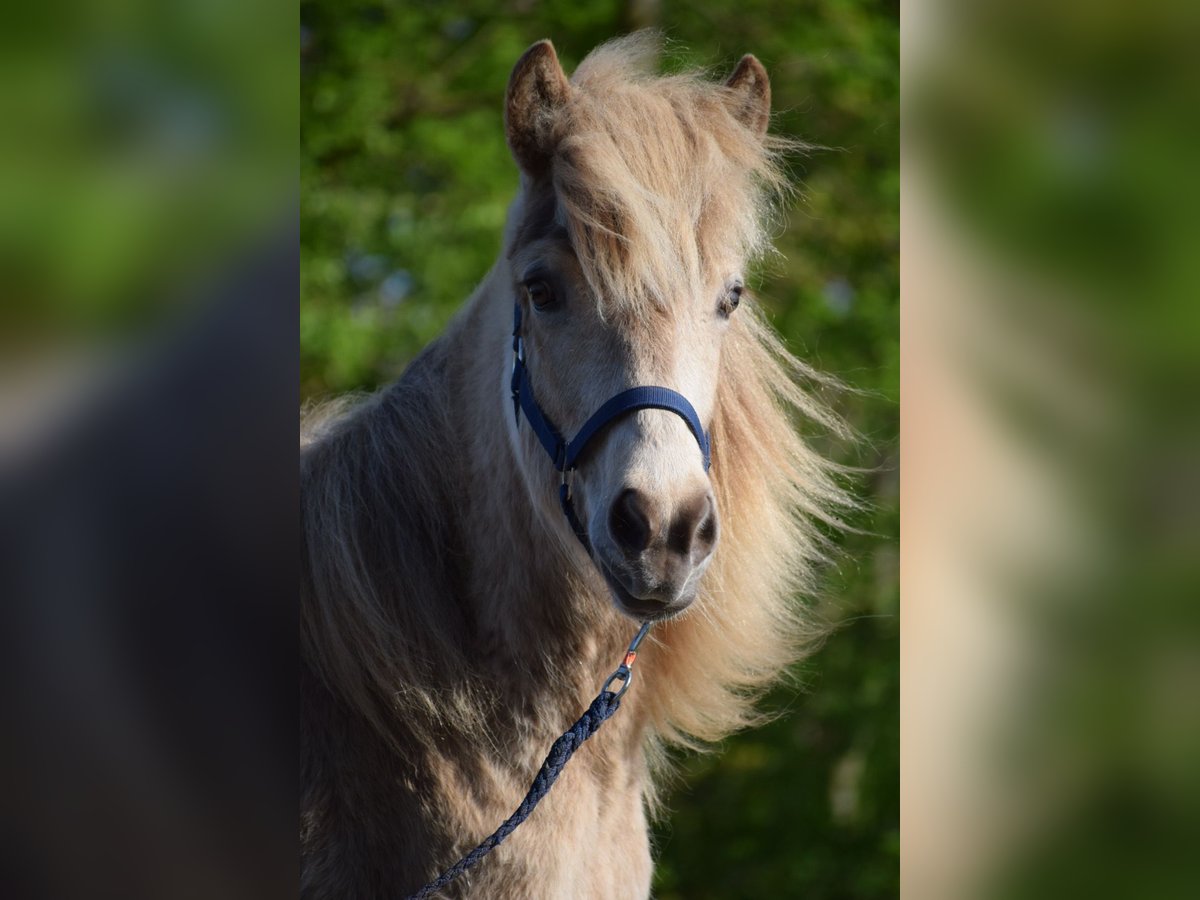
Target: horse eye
{"points": [[539, 294], [733, 296]]}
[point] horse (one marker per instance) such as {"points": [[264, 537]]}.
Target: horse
{"points": [[453, 622]]}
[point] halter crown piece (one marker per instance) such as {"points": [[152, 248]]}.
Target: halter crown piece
{"points": [[565, 454]]}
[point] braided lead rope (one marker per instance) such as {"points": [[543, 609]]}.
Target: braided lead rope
{"points": [[606, 703]]}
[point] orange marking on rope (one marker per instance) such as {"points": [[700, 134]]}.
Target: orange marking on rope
{"points": [[630, 657]]}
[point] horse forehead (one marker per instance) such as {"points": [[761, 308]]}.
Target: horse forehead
{"points": [[653, 338]]}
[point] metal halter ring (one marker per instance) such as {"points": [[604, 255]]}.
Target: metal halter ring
{"points": [[626, 677], [625, 669], [518, 351]]}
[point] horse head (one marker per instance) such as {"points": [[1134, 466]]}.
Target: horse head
{"points": [[626, 250]]}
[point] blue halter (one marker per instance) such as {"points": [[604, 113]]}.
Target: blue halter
{"points": [[565, 454]]}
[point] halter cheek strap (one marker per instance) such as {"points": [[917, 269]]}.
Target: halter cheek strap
{"points": [[565, 454]]}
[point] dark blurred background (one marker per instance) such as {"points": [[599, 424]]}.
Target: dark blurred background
{"points": [[405, 183]]}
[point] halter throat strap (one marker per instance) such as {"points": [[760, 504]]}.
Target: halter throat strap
{"points": [[565, 454]]}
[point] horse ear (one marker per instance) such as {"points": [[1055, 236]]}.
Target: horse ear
{"points": [[537, 88], [750, 94]]}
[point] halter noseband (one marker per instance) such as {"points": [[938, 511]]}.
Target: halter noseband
{"points": [[565, 454]]}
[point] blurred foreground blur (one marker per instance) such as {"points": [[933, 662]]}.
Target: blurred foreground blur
{"points": [[148, 371], [1051, 544]]}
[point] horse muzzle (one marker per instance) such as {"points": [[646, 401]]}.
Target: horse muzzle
{"points": [[652, 559]]}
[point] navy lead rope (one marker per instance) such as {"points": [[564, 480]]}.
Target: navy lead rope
{"points": [[606, 703]]}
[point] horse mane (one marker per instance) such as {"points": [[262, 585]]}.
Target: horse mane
{"points": [[375, 627], [778, 500], [645, 165]]}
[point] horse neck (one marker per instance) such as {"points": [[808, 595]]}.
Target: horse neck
{"points": [[538, 603]]}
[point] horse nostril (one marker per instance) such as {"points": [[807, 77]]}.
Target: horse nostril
{"points": [[629, 521], [694, 528], [706, 534]]}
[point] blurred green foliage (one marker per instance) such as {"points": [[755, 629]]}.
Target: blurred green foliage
{"points": [[406, 180], [140, 153], [1058, 141]]}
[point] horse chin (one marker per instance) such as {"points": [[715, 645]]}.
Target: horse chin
{"points": [[644, 609]]}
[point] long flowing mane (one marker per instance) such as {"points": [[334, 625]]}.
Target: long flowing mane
{"points": [[646, 164]]}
